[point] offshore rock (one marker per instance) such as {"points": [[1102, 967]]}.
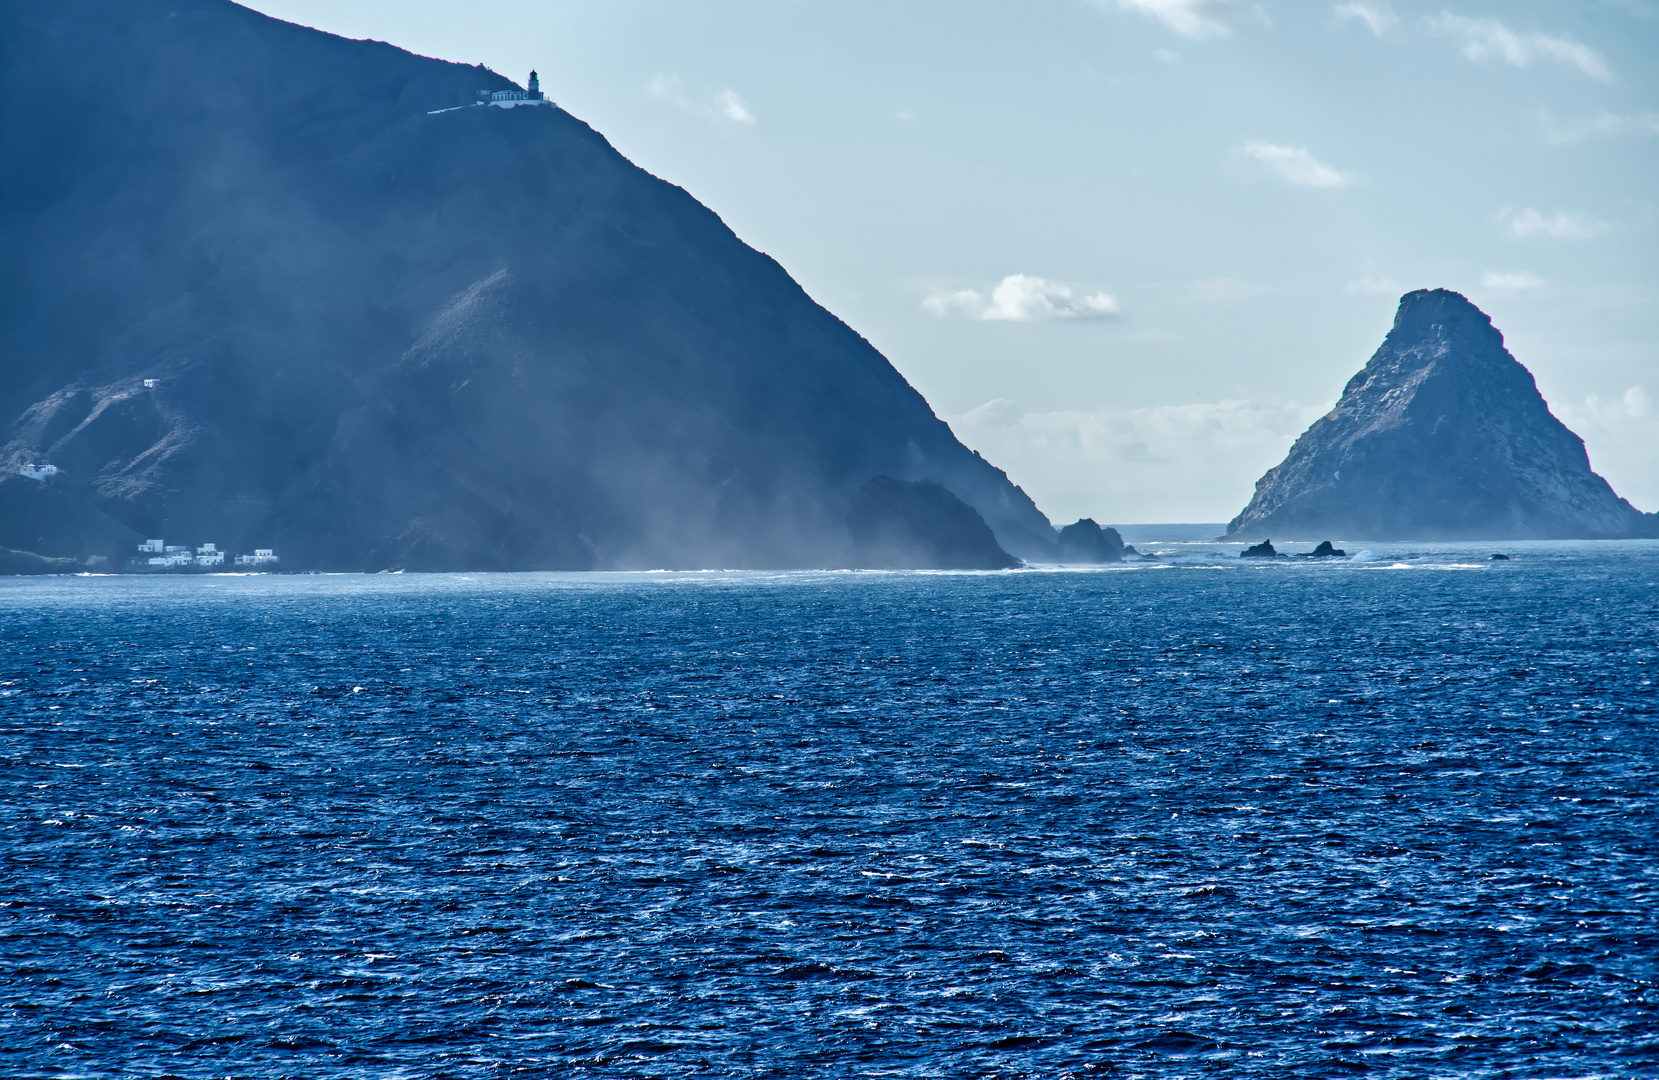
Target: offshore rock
{"points": [[898, 524], [1263, 550], [1084, 541], [253, 291], [1442, 436], [1325, 550]]}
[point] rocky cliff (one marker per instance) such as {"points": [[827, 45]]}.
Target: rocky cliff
{"points": [[897, 524], [1442, 436], [257, 287]]}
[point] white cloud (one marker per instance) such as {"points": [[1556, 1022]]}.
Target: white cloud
{"points": [[1221, 290], [1622, 436], [732, 108], [1529, 223], [1192, 462], [1487, 38], [725, 106], [1373, 286], [1603, 125], [1021, 298], [1512, 281], [942, 303], [1294, 165], [1377, 16], [1197, 18]]}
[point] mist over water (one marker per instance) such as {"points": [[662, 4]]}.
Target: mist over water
{"points": [[1393, 816]]}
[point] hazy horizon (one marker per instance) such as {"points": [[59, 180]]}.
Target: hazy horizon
{"points": [[1130, 249]]}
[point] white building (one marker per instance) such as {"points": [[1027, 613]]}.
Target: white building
{"points": [[160, 555], [38, 472], [260, 557], [508, 99]]}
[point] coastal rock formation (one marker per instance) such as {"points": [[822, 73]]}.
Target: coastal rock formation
{"points": [[27, 562], [1084, 541], [897, 524], [1442, 436], [1263, 550], [264, 286]]}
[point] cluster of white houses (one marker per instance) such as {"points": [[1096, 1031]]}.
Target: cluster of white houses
{"points": [[160, 555], [154, 555]]}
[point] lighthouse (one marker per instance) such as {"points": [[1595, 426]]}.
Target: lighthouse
{"points": [[508, 99]]}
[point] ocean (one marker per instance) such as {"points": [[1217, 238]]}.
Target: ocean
{"points": [[1393, 815]]}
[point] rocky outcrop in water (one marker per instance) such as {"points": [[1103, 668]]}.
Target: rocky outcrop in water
{"points": [[264, 286], [1085, 542], [1442, 436], [897, 523]]}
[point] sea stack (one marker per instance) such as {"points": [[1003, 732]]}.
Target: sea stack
{"points": [[1084, 541], [1442, 436]]}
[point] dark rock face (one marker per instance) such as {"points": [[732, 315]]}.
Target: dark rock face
{"points": [[1442, 436], [898, 524], [251, 292], [27, 562], [1325, 550], [1263, 550], [53, 517], [1084, 541]]}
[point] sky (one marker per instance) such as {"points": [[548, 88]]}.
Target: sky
{"points": [[1130, 249]]}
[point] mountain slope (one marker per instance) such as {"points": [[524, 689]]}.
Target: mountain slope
{"points": [[255, 292], [1442, 436]]}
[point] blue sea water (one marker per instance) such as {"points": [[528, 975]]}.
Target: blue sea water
{"points": [[1391, 816]]}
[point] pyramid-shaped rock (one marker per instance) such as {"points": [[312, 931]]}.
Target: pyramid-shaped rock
{"points": [[1442, 436]]}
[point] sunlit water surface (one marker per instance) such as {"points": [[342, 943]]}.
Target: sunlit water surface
{"points": [[1392, 816]]}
